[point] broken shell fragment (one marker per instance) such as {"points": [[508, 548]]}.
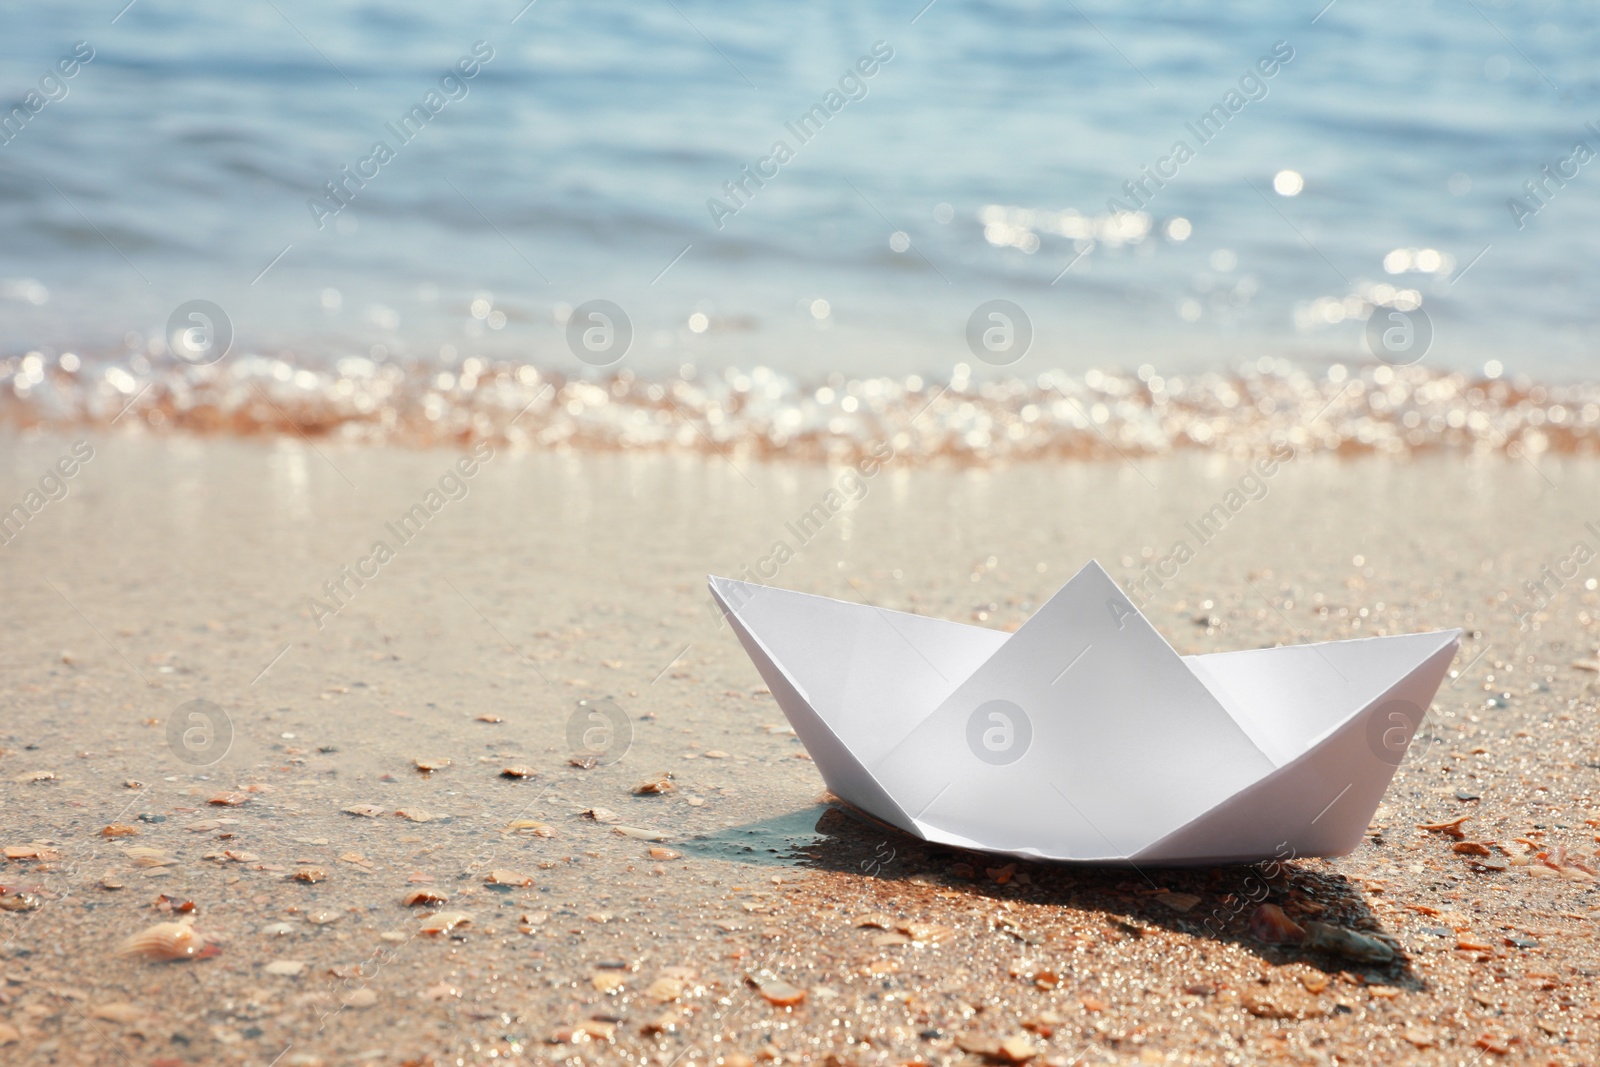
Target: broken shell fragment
{"points": [[13, 899], [145, 856], [31, 852], [775, 990], [118, 1011], [1269, 925], [1017, 1049], [1451, 828], [502, 877], [640, 833], [927, 933], [426, 896], [446, 921], [1348, 943], [517, 771]]}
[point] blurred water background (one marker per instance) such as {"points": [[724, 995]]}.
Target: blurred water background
{"points": [[986, 158]]}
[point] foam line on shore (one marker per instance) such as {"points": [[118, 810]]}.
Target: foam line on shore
{"points": [[1375, 409]]}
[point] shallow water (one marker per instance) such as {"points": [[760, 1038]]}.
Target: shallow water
{"points": [[578, 161]]}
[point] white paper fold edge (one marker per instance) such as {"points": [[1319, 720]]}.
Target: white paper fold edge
{"points": [[1316, 803]]}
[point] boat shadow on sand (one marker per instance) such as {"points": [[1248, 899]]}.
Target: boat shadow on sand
{"points": [[1213, 903]]}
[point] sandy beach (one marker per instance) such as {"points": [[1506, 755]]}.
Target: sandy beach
{"points": [[733, 913]]}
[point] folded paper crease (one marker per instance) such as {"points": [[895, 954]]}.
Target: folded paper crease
{"points": [[1084, 736]]}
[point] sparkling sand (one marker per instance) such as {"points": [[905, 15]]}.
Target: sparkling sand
{"points": [[734, 913]]}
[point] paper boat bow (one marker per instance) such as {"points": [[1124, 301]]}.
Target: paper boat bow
{"points": [[1084, 736]]}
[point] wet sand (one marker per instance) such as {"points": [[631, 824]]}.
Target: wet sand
{"points": [[182, 569]]}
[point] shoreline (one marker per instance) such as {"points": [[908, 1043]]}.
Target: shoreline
{"points": [[966, 417]]}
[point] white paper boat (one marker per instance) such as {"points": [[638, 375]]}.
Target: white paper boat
{"points": [[1084, 736]]}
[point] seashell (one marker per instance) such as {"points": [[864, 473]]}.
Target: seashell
{"points": [[31, 852], [1015, 1049], [310, 875], [361, 998], [285, 968], [655, 786], [1452, 828], [640, 833], [228, 800], [145, 856], [605, 815], [596, 1030], [164, 942], [1269, 925], [540, 829], [166, 903], [490, 718], [926, 933], [368, 811], [517, 771], [14, 899], [118, 829], [664, 854], [426, 896], [116, 1012], [665, 990], [1178, 901], [775, 990], [446, 921], [428, 766], [503, 877], [416, 814], [1347, 943]]}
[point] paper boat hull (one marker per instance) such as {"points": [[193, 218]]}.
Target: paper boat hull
{"points": [[1331, 722]]}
